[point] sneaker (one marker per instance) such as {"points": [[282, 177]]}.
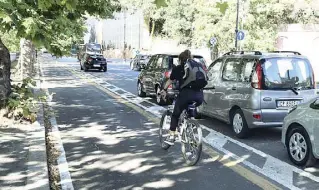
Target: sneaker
{"points": [[171, 139]]}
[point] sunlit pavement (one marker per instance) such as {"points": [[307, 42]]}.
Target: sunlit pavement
{"points": [[271, 156], [109, 145]]}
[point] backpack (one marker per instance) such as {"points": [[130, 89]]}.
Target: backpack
{"points": [[196, 77]]}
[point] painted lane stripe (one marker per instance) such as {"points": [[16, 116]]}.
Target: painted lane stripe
{"points": [[273, 168]]}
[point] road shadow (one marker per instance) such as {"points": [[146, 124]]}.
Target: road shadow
{"points": [[109, 145]]}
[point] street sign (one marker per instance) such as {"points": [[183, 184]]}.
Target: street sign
{"points": [[213, 41], [240, 35]]}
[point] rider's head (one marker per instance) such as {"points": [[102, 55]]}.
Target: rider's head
{"points": [[184, 56]]}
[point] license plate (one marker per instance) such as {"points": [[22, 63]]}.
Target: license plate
{"points": [[97, 64], [288, 103]]}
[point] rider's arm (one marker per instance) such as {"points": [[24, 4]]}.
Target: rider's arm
{"points": [[168, 82]]}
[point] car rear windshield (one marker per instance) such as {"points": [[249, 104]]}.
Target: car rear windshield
{"points": [[94, 47], [199, 59], [287, 73]]}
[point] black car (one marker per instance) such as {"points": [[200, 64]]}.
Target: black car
{"points": [[152, 79], [139, 62], [93, 61]]}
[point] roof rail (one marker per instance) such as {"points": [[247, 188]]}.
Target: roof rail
{"points": [[293, 52], [243, 52]]}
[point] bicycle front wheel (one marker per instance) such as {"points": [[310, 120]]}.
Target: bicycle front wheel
{"points": [[192, 142]]}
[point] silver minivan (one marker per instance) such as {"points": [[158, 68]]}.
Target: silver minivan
{"points": [[255, 89]]}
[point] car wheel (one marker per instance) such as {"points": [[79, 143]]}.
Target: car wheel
{"points": [[140, 91], [239, 124], [85, 69], [159, 98], [299, 147], [104, 69]]}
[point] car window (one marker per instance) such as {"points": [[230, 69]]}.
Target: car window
{"points": [[248, 65], [165, 64], [159, 62], [214, 70], [232, 70], [154, 62], [285, 73], [151, 61]]}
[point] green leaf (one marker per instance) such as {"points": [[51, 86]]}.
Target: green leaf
{"points": [[222, 7]]}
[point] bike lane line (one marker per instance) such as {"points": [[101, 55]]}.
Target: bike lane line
{"points": [[225, 159]]}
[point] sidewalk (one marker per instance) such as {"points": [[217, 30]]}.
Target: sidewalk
{"points": [[23, 158]]}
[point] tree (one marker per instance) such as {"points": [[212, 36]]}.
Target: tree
{"points": [[56, 25]]}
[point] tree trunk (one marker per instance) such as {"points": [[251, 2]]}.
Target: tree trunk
{"points": [[26, 59], [5, 64]]}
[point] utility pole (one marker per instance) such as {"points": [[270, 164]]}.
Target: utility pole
{"points": [[237, 20], [124, 53], [139, 31]]}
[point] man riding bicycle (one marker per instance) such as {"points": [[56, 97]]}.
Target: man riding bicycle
{"points": [[192, 79]]}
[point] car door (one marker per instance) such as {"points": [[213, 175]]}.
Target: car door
{"points": [[226, 93], [208, 107], [149, 75]]}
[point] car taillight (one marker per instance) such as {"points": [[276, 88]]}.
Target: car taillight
{"points": [[256, 81], [167, 74], [89, 59], [170, 86]]}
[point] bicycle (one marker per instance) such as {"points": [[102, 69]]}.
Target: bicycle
{"points": [[188, 130]]}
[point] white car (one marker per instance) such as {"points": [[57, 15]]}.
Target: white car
{"points": [[300, 133]]}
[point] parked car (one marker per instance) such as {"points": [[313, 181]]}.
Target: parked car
{"points": [[93, 61], [152, 79], [300, 133], [139, 62], [254, 89]]}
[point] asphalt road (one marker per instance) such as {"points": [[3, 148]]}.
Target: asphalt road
{"points": [[110, 145], [266, 139]]}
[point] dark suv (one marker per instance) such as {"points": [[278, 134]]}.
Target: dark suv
{"points": [[152, 79], [93, 61]]}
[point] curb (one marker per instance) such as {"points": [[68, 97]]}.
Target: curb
{"points": [[65, 177], [37, 172]]}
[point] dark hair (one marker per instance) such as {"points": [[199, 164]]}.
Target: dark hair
{"points": [[184, 56]]}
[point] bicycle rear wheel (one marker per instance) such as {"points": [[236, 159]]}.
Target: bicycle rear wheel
{"points": [[192, 142], [164, 129]]}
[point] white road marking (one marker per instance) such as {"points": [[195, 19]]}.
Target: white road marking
{"points": [[273, 168]]}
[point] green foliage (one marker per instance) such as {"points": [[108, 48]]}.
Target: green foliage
{"points": [[22, 102], [10, 41], [56, 25]]}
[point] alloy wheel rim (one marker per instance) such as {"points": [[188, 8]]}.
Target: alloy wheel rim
{"points": [[297, 147], [238, 123]]}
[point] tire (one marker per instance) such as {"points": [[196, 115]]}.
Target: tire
{"points": [[140, 91], [241, 129], [199, 144], [308, 159], [162, 131], [104, 69], [85, 69], [159, 99]]}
